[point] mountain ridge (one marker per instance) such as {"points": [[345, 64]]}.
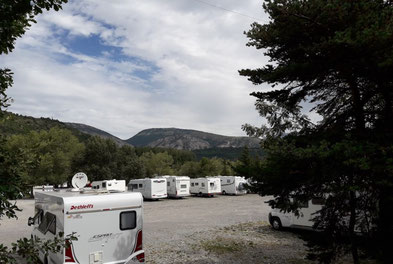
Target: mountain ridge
{"points": [[176, 138], [188, 139], [93, 131]]}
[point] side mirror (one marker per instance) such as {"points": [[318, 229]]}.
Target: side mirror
{"points": [[30, 221]]}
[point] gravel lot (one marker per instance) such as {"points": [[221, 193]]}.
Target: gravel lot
{"points": [[223, 229]]}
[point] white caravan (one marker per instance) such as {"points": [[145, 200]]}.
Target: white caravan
{"points": [[233, 185], [152, 189], [307, 212], [110, 185], [108, 225], [208, 186], [177, 186]]}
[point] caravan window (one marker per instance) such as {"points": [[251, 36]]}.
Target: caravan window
{"points": [[183, 186], [140, 185], [192, 184], [168, 184], [48, 223], [127, 220], [203, 184], [134, 186], [196, 184], [228, 181], [212, 184], [103, 184]]}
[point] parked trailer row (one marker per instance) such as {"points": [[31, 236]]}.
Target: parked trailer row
{"points": [[182, 186], [107, 219]]}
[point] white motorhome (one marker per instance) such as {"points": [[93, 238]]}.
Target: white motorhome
{"points": [[44, 188], [110, 185], [108, 225], [177, 186], [307, 212], [208, 186], [152, 189], [233, 185]]}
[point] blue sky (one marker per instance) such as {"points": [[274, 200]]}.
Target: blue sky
{"points": [[124, 66]]}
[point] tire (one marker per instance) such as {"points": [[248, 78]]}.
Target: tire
{"points": [[276, 223], [224, 192]]}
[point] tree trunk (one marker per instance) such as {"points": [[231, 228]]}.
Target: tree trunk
{"points": [[358, 111], [388, 108], [352, 224]]}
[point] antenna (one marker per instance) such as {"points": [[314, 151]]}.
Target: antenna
{"points": [[79, 181]]}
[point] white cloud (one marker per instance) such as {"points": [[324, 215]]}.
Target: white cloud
{"points": [[192, 52]]}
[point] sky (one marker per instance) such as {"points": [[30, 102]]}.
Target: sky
{"points": [[127, 65]]}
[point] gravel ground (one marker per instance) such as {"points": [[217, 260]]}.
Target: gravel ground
{"points": [[223, 229], [254, 242]]}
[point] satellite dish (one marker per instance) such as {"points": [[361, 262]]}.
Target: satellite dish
{"points": [[79, 180]]}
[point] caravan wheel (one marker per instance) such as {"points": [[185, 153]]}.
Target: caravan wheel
{"points": [[224, 192], [276, 223]]}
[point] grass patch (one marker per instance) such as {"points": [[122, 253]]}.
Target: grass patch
{"points": [[221, 246]]}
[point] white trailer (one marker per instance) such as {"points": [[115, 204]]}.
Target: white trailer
{"points": [[152, 189], [177, 186], [110, 185], [208, 186], [235, 185], [108, 225], [307, 212]]}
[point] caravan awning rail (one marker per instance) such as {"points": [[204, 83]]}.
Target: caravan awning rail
{"points": [[102, 210]]}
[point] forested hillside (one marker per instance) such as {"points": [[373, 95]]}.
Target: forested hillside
{"points": [[18, 124], [95, 132], [189, 139], [48, 151]]}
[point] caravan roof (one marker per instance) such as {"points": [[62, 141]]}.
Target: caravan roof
{"points": [[80, 202]]}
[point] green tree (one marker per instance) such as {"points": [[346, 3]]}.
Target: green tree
{"points": [[227, 168], [157, 164], [99, 160], [210, 167], [334, 57], [190, 168], [49, 155], [16, 18], [129, 165]]}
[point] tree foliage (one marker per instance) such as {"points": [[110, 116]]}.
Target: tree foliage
{"points": [[335, 58], [49, 155], [16, 18], [334, 54], [157, 164], [18, 15]]}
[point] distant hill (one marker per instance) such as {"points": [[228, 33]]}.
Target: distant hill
{"points": [[188, 139], [96, 132], [201, 143], [19, 124]]}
